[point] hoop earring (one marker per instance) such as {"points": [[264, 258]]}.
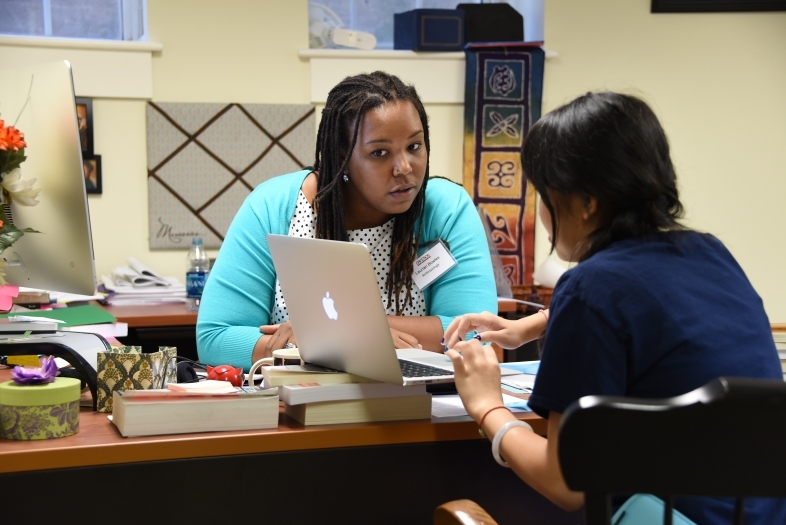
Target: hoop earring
{"points": [[346, 178]]}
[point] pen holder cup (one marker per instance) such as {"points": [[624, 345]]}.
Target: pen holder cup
{"points": [[128, 368]]}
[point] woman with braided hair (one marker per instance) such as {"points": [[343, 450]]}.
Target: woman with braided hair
{"points": [[370, 184]]}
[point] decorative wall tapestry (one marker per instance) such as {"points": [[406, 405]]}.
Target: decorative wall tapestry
{"points": [[204, 159], [504, 86]]}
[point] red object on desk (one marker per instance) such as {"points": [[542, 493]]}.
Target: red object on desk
{"points": [[226, 373]]}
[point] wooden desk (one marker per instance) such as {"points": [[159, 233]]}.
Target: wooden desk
{"points": [[394, 473], [153, 316]]}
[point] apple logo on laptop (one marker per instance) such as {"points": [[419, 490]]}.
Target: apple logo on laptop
{"points": [[330, 310]]}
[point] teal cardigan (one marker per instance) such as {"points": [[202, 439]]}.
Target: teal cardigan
{"points": [[240, 292]]}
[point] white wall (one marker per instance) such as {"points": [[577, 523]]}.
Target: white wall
{"points": [[228, 51], [718, 84]]}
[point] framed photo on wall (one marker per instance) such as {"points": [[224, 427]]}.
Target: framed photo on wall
{"points": [[716, 6], [84, 115], [91, 166]]}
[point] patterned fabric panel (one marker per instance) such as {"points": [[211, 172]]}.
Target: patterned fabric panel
{"points": [[127, 368], [39, 422], [504, 86], [204, 159]]}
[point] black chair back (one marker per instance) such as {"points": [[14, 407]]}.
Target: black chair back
{"points": [[727, 438]]}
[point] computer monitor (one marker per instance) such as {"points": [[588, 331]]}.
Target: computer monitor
{"points": [[39, 101]]}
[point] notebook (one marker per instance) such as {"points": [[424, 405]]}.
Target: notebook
{"points": [[334, 306]]}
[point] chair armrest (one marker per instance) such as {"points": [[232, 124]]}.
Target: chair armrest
{"points": [[462, 512]]}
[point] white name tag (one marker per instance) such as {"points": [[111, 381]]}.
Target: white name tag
{"points": [[432, 265]]}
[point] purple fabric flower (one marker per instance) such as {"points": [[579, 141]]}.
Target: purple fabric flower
{"points": [[46, 373]]}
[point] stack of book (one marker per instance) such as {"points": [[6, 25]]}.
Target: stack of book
{"points": [[207, 406], [329, 397]]}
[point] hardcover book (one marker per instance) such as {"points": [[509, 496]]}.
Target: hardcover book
{"points": [[156, 412], [318, 392], [361, 410]]}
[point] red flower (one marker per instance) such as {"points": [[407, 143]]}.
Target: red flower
{"points": [[11, 138]]}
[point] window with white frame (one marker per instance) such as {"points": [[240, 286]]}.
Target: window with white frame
{"points": [[376, 16], [94, 19]]}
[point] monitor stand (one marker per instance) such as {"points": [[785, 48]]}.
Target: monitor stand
{"points": [[77, 348]]}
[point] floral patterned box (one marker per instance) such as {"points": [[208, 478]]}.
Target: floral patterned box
{"points": [[45, 411]]}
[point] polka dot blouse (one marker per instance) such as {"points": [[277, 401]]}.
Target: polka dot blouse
{"points": [[378, 241]]}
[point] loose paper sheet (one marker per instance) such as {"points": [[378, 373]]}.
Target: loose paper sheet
{"points": [[451, 405]]}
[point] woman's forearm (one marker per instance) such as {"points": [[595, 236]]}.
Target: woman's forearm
{"points": [[427, 330], [534, 459]]}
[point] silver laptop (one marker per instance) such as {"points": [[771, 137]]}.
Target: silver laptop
{"points": [[339, 321]]}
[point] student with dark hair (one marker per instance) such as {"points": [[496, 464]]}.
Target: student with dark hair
{"points": [[651, 310], [370, 184]]}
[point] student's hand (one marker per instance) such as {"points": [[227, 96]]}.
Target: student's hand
{"points": [[402, 340], [477, 377], [491, 328], [280, 334]]}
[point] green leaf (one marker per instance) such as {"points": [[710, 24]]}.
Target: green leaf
{"points": [[13, 160], [8, 236]]}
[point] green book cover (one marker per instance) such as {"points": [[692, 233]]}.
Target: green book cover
{"points": [[73, 316]]}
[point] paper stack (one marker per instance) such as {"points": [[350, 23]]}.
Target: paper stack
{"points": [[138, 284]]}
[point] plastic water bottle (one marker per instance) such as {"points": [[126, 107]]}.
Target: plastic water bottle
{"points": [[196, 274]]}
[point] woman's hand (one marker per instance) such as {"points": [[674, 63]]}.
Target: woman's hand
{"points": [[402, 340], [280, 334], [477, 377], [495, 329]]}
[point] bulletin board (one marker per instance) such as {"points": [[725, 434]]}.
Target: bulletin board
{"points": [[203, 160]]}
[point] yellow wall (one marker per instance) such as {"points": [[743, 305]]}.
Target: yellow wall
{"points": [[718, 84], [717, 81], [228, 51]]}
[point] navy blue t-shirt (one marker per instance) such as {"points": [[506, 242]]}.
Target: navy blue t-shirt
{"points": [[657, 317]]}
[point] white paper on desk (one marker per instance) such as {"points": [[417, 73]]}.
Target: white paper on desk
{"points": [[175, 288], [138, 275], [521, 381], [451, 405], [65, 298], [106, 330]]}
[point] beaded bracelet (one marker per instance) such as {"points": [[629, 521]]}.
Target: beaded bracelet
{"points": [[500, 434], [490, 410]]}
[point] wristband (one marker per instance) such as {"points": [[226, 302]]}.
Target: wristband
{"points": [[489, 411], [545, 314], [500, 434]]}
